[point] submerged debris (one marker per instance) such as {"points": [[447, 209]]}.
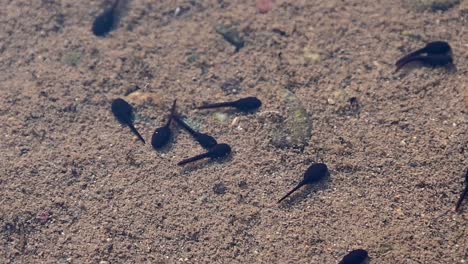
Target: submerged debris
{"points": [[72, 58], [231, 86], [291, 126], [232, 36], [344, 102], [219, 188]]}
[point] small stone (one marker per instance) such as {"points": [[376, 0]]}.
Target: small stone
{"points": [[180, 10], [264, 6], [177, 11], [242, 184], [331, 101], [235, 122], [193, 58], [131, 89], [231, 35], [140, 98], [231, 86], [219, 188], [221, 117], [43, 216]]}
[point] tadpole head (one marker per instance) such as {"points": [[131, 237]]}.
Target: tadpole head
{"points": [[437, 60], [356, 256], [161, 137], [248, 103], [438, 47], [315, 173], [219, 151], [206, 141], [104, 23], [122, 111]]}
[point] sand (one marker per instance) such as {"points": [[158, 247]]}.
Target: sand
{"points": [[77, 187]]}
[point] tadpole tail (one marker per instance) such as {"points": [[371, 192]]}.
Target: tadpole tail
{"points": [[120, 7], [409, 60], [171, 115], [460, 200], [132, 127], [407, 57], [290, 192], [216, 105], [192, 159], [184, 125]]}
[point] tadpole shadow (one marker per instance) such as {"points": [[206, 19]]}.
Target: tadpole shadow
{"points": [[412, 66], [233, 111], [230, 111], [194, 166]]}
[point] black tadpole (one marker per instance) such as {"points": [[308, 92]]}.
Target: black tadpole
{"points": [[109, 19], [357, 256], [216, 152], [244, 104], [434, 54], [464, 193], [162, 135], [123, 112], [206, 141], [314, 173]]}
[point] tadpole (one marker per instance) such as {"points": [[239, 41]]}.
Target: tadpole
{"points": [[463, 194], [244, 104], [216, 152], [315, 173], [434, 54], [357, 256], [162, 135], [123, 112], [206, 141]]}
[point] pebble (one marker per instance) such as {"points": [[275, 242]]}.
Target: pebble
{"points": [[264, 6], [219, 188]]}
